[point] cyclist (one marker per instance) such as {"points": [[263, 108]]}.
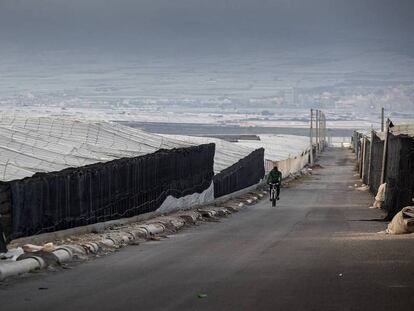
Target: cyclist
{"points": [[275, 177]]}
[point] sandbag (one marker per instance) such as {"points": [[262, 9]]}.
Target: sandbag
{"points": [[380, 197], [381, 193], [403, 222]]}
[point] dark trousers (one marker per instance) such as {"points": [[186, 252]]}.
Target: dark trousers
{"points": [[277, 190]]}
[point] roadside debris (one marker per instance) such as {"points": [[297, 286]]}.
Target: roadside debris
{"points": [[363, 188], [30, 248], [403, 222], [32, 257], [289, 180], [12, 254], [201, 296]]}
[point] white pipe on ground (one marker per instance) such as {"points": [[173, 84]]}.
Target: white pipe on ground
{"points": [[15, 268], [91, 247], [63, 254], [139, 233], [153, 228], [108, 242]]}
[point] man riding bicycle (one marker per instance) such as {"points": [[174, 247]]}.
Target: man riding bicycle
{"points": [[275, 177]]}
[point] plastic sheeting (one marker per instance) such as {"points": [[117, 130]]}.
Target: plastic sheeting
{"points": [[291, 165], [356, 143], [380, 197], [105, 191], [365, 172], [30, 145], [226, 155], [246, 172], [172, 203], [291, 153], [377, 151], [398, 170], [3, 246], [5, 213], [399, 173], [278, 147]]}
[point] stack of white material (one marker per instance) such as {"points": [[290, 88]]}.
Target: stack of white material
{"points": [[44, 144]]}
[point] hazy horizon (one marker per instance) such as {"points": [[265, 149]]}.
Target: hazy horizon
{"points": [[191, 50]]}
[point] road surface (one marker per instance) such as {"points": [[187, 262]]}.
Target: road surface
{"points": [[318, 250]]}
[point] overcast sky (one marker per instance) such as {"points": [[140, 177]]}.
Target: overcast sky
{"points": [[141, 26]]}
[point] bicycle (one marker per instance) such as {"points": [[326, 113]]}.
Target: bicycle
{"points": [[273, 193]]}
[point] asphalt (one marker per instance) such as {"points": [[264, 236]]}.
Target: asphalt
{"points": [[317, 250]]}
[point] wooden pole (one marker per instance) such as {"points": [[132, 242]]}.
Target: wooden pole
{"points": [[370, 157], [317, 130], [324, 131], [320, 130], [311, 137], [364, 146], [384, 155]]}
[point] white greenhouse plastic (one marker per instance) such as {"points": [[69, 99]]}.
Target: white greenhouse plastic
{"points": [[29, 145]]}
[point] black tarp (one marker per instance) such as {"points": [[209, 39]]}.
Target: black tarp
{"points": [[106, 191], [366, 162], [377, 151], [5, 214], [246, 172], [356, 143], [399, 174], [3, 245]]}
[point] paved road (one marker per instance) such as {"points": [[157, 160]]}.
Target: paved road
{"points": [[317, 251]]}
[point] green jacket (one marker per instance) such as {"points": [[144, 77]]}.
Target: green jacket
{"points": [[274, 177]]}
